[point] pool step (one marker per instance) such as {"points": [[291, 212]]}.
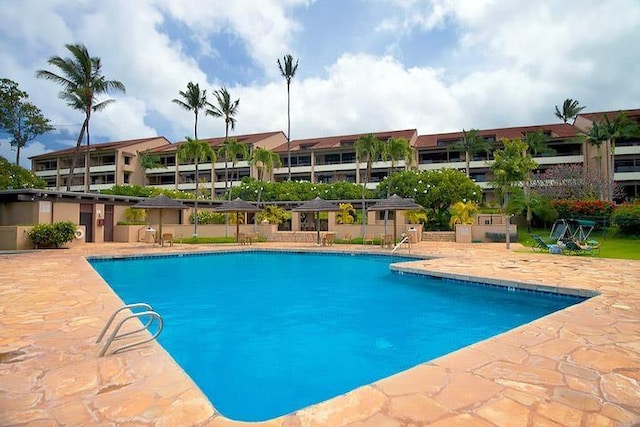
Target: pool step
{"points": [[149, 314]]}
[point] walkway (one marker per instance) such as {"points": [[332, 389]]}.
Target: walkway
{"points": [[577, 367]]}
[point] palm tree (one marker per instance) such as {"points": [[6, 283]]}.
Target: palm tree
{"points": [[595, 137], [227, 109], [288, 70], [534, 143], [82, 82], [232, 150], [195, 151], [471, 143], [570, 110], [193, 99], [367, 148], [620, 127], [265, 161], [394, 150]]}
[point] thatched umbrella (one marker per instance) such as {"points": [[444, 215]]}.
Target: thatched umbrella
{"points": [[316, 206], [161, 203], [237, 205], [395, 203]]}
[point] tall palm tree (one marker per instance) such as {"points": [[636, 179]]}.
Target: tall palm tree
{"points": [[534, 143], [471, 143], [265, 161], [595, 137], [227, 109], [193, 99], [198, 152], [368, 149], [232, 150], [288, 70], [82, 82], [394, 150], [570, 110], [620, 127]]}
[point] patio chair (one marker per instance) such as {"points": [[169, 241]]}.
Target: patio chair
{"points": [[540, 245], [166, 238], [327, 239], [386, 241], [367, 238]]}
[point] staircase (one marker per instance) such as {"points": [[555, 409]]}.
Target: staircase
{"points": [[438, 236]]}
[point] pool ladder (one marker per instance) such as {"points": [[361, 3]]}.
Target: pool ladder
{"points": [[149, 314], [405, 239]]}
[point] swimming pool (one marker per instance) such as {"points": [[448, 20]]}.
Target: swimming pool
{"points": [[265, 333]]}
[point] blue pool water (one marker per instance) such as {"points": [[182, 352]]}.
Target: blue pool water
{"points": [[264, 334]]}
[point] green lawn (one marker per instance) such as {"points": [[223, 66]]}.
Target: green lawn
{"points": [[613, 246]]}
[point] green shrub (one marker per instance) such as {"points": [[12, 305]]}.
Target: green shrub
{"points": [[208, 217], [53, 235], [133, 216], [627, 218]]}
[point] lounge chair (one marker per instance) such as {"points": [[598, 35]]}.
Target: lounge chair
{"points": [[540, 245], [575, 248]]}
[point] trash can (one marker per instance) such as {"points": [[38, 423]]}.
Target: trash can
{"points": [[149, 235], [413, 235]]}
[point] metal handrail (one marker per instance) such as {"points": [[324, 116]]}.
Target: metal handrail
{"points": [[406, 239], [115, 313], [152, 315]]}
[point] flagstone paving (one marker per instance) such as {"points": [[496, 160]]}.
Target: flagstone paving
{"points": [[576, 367]]}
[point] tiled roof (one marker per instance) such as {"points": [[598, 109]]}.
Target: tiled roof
{"points": [[216, 142], [559, 130], [338, 140], [101, 147], [599, 115]]}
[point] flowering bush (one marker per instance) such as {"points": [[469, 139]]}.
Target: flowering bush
{"points": [[582, 208]]}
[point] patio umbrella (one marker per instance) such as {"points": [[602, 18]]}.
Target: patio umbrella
{"points": [[237, 205], [161, 203], [316, 206], [395, 203]]}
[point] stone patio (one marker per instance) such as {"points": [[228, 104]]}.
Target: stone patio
{"points": [[576, 367]]}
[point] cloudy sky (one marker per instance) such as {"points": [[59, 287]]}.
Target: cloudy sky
{"points": [[365, 65]]}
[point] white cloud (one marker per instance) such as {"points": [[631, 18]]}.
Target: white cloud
{"points": [[511, 63], [33, 148]]}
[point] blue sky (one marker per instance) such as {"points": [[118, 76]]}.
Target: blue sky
{"points": [[432, 65]]}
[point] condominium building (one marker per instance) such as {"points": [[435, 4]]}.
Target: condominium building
{"points": [[333, 158], [177, 175], [98, 167]]}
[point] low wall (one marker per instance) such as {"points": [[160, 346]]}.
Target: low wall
{"points": [[16, 237]]}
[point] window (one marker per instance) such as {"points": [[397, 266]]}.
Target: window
{"points": [[127, 177], [127, 160]]}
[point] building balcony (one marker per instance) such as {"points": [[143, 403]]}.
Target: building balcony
{"points": [[626, 176], [52, 172], [104, 168], [557, 160], [635, 149]]}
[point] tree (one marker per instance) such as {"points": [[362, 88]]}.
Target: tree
{"points": [[621, 127], [436, 190], [570, 110], [394, 150], [13, 177], [462, 213], [570, 182], [193, 99], [149, 160], [227, 109], [471, 143], [232, 150], [510, 167], [368, 148], [198, 152], [288, 70], [265, 161], [22, 120], [82, 82]]}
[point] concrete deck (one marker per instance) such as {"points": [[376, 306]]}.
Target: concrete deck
{"points": [[576, 367]]}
